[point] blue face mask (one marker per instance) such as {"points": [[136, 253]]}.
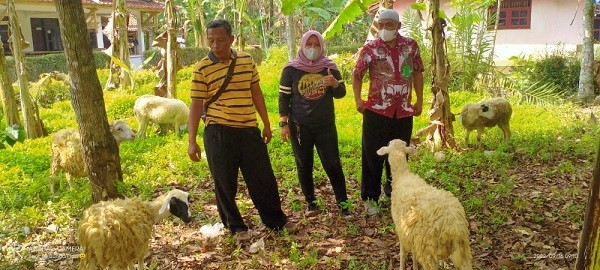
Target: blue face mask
{"points": [[312, 53]]}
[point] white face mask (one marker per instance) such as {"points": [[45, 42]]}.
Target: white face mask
{"points": [[312, 53], [387, 35]]}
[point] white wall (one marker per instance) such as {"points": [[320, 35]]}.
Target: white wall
{"points": [[555, 24]]}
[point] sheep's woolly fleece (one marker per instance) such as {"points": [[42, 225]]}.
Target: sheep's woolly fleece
{"points": [[429, 222]]}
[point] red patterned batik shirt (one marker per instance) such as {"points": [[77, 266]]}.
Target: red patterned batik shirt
{"points": [[390, 73]]}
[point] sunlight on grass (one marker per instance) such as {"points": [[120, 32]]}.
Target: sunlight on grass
{"points": [[484, 180]]}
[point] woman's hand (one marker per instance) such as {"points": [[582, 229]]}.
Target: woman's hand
{"points": [[329, 80]]}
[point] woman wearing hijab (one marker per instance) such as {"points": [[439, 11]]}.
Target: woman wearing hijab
{"points": [[307, 87]]}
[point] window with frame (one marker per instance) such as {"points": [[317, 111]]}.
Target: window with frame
{"points": [[513, 14]]}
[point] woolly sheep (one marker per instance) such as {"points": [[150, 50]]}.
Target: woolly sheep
{"points": [[114, 234], [67, 154], [430, 223], [160, 110], [489, 113]]}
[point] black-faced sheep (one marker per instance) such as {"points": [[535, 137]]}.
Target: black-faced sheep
{"points": [[430, 223], [116, 234], [489, 113], [67, 154], [160, 110]]}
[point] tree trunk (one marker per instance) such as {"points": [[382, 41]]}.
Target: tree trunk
{"points": [[171, 53], [586, 81], [440, 132], [33, 125], [588, 255], [9, 102], [290, 35], [100, 150], [119, 76]]}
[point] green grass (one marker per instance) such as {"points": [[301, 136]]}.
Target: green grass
{"points": [[481, 180]]}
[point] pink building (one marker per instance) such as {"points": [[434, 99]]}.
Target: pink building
{"points": [[532, 26]]}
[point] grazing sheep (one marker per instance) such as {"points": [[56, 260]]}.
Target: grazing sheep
{"points": [[489, 113], [67, 154], [160, 110], [430, 223], [114, 234]]}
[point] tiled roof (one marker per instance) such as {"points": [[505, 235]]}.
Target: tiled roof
{"points": [[132, 4]]}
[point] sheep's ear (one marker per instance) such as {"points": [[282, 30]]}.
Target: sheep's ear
{"points": [[411, 151], [383, 151], [165, 206]]}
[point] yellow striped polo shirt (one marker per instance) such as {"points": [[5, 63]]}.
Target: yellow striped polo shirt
{"points": [[234, 107]]}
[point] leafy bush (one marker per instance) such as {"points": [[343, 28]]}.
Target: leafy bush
{"points": [[12, 135], [191, 55], [120, 107], [346, 62], [352, 49], [39, 64], [48, 93]]}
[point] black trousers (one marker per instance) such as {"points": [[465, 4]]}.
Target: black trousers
{"points": [[231, 149], [304, 139], [378, 131]]}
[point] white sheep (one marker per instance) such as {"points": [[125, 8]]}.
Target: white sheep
{"points": [[114, 234], [160, 110], [430, 223], [67, 154], [489, 113]]}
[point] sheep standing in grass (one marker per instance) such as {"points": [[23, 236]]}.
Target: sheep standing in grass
{"points": [[114, 234], [160, 110], [67, 154], [430, 223], [489, 113]]}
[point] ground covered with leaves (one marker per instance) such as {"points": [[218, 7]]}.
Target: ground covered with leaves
{"points": [[524, 200], [536, 227]]}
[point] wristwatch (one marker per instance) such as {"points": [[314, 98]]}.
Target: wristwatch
{"points": [[283, 123]]}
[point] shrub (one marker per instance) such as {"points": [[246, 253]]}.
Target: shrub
{"points": [[48, 93], [120, 107], [39, 64], [352, 49], [191, 55]]}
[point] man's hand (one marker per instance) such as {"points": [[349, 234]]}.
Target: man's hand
{"points": [[418, 107], [360, 105], [194, 151], [267, 135], [285, 133]]}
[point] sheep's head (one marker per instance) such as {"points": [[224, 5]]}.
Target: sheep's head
{"points": [[121, 131], [176, 202], [471, 112], [397, 146]]}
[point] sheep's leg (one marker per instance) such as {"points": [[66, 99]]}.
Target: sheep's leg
{"points": [[479, 132], [467, 137], [506, 130], [403, 258], [69, 180], [177, 126], [143, 125], [141, 265]]}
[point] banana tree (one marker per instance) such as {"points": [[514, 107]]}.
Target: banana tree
{"points": [[194, 11], [9, 102], [33, 124], [440, 132], [119, 76]]}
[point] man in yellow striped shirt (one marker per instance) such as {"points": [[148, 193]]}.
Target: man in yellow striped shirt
{"points": [[231, 136]]}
